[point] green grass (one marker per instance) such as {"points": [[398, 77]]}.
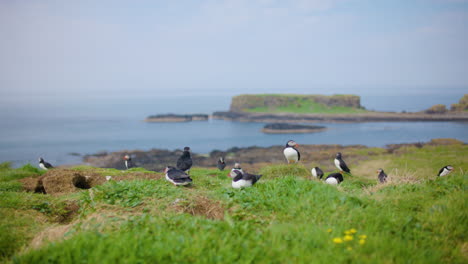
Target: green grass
{"points": [[306, 106], [285, 218]]}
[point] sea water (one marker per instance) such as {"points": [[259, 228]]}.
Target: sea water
{"points": [[61, 130]]}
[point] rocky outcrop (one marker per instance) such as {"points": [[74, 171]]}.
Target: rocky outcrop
{"points": [[462, 105], [437, 109], [242, 103], [176, 118], [285, 128]]}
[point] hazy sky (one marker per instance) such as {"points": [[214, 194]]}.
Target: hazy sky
{"points": [[321, 46]]}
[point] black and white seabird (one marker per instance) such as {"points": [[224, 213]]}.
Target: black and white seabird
{"points": [[334, 178], [44, 165], [240, 180], [317, 172], [128, 162], [445, 171], [237, 166], [290, 152], [340, 164], [221, 164], [382, 176], [176, 176], [184, 162]]}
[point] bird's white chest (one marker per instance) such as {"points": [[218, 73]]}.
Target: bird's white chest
{"points": [[337, 164], [291, 154], [42, 166], [332, 181], [241, 183], [314, 172], [126, 164], [444, 172]]}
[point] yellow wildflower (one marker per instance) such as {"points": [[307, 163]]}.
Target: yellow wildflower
{"points": [[337, 240], [362, 236], [353, 231], [349, 248], [348, 238], [329, 230], [362, 242], [347, 232]]}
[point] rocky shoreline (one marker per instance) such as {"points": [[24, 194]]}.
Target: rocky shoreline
{"points": [[342, 118], [251, 158], [176, 118]]}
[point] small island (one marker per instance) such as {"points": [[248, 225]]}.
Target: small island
{"points": [[287, 108], [285, 128], [168, 118]]}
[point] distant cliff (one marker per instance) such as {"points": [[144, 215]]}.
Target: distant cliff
{"points": [[294, 103]]}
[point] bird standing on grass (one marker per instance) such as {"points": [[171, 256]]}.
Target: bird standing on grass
{"points": [[221, 164], [184, 162], [334, 178], [445, 171], [128, 162], [290, 152], [382, 176], [176, 176], [317, 172], [240, 180], [340, 164], [44, 165]]}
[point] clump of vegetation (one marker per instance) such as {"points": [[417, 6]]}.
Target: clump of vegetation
{"points": [[286, 217], [437, 109], [462, 104]]}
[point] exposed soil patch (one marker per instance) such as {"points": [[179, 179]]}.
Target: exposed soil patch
{"points": [[61, 181], [200, 206]]}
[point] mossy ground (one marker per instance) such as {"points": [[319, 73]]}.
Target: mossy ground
{"points": [[286, 218]]}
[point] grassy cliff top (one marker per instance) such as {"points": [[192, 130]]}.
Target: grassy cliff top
{"points": [[286, 217], [297, 103]]}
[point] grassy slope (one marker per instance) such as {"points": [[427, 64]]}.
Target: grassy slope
{"points": [[286, 217], [305, 106]]}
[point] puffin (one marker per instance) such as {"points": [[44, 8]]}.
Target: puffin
{"points": [[184, 162], [128, 162], [445, 171], [340, 164], [290, 152], [176, 176], [334, 178], [240, 179], [236, 167], [317, 172], [382, 176], [44, 165], [221, 164]]}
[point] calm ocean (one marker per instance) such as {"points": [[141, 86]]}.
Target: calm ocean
{"points": [[54, 128]]}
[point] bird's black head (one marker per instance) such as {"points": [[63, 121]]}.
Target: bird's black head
{"points": [[41, 159], [234, 173], [338, 155], [291, 143], [168, 168], [186, 149], [380, 171]]}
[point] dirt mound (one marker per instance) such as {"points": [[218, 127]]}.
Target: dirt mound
{"points": [[61, 181], [200, 206]]}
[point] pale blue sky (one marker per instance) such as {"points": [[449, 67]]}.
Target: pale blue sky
{"points": [[316, 46]]}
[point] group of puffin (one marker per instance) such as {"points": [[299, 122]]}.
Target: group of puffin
{"points": [[292, 155], [179, 175]]}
